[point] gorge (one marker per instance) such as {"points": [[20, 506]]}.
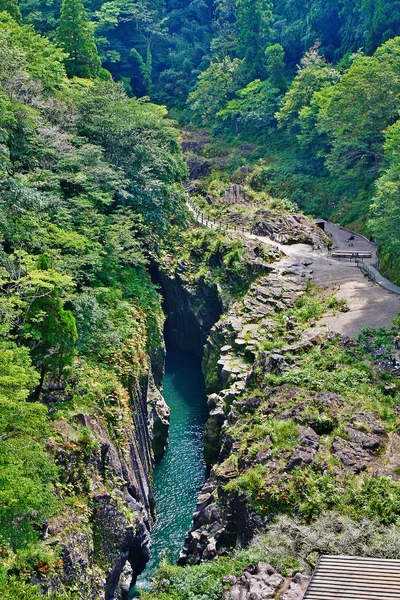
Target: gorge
{"points": [[188, 365], [181, 472]]}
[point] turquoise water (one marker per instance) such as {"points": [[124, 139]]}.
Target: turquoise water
{"points": [[180, 474]]}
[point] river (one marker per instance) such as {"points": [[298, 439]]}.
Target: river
{"points": [[180, 474]]}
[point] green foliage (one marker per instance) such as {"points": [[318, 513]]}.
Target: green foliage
{"points": [[202, 582], [75, 35], [16, 588], [355, 127], [11, 6], [89, 180], [382, 21], [253, 31], [214, 258], [23, 52], [310, 493], [377, 339], [27, 473], [161, 48], [215, 88], [314, 74], [331, 370], [136, 137], [50, 331], [275, 65], [253, 109], [384, 222]]}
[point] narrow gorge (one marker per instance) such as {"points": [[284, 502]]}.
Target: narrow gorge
{"points": [[199, 378]]}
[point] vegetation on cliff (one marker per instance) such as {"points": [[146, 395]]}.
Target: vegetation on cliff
{"points": [[89, 179]]}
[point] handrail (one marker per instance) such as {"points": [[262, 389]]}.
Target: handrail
{"points": [[364, 268], [216, 223]]}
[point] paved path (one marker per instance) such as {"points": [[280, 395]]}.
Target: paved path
{"points": [[345, 240], [369, 304], [382, 281], [349, 241]]}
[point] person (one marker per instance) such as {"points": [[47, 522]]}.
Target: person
{"points": [[397, 342]]}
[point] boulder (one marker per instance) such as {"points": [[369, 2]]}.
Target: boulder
{"points": [[353, 458], [302, 457], [258, 582]]}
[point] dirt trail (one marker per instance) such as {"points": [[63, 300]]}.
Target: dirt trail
{"points": [[369, 304]]}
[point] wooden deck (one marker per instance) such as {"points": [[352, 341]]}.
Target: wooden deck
{"points": [[354, 578]]}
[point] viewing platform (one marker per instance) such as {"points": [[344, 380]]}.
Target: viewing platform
{"points": [[354, 578]]}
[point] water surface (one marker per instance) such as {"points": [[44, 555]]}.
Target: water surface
{"points": [[181, 472]]}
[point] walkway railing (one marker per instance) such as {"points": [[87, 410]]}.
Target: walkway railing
{"points": [[364, 268], [224, 227], [216, 223]]}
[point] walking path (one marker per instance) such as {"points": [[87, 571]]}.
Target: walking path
{"points": [[349, 241], [345, 240], [374, 274], [342, 240], [370, 305]]}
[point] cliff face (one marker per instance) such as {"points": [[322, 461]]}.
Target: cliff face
{"points": [[103, 532], [106, 458], [191, 309], [295, 422], [223, 519]]}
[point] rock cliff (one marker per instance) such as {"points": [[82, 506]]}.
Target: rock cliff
{"points": [[106, 461], [191, 309], [277, 426]]}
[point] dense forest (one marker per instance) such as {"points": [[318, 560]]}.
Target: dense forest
{"points": [[91, 190], [319, 79], [87, 174]]}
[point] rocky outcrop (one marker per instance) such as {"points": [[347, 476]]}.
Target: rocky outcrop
{"points": [[261, 581], [104, 538], [287, 228], [199, 167], [159, 418], [235, 194]]}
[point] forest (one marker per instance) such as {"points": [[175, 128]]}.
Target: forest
{"points": [[318, 79], [92, 99]]}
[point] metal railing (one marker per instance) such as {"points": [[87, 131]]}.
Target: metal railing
{"points": [[364, 268], [218, 224]]}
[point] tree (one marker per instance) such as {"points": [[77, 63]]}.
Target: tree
{"points": [[50, 332], [137, 139], [384, 221], [26, 472], [313, 75], [253, 30], [275, 64], [357, 111], [23, 52], [11, 6], [75, 35], [252, 111], [382, 21], [216, 86]]}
